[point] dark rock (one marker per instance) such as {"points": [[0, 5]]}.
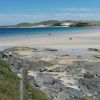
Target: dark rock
{"points": [[57, 69], [88, 75], [70, 38], [48, 49], [97, 56], [93, 49], [65, 55]]}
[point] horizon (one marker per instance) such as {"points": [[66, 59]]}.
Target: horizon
{"points": [[13, 12]]}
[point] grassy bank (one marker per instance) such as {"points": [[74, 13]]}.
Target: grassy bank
{"points": [[9, 86]]}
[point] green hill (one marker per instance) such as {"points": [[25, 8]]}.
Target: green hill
{"points": [[9, 86], [54, 23], [24, 25], [49, 22]]}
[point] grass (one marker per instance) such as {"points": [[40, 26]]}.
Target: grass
{"points": [[9, 86]]}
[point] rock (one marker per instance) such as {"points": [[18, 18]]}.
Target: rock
{"points": [[48, 49], [91, 86], [88, 75], [97, 56], [70, 38], [56, 89], [74, 93], [65, 55], [61, 96], [32, 65], [57, 69], [69, 94], [39, 65], [44, 79], [93, 49]]}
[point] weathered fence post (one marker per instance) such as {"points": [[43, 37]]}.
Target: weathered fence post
{"points": [[23, 74]]}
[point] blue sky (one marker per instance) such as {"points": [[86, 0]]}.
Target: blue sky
{"points": [[17, 11]]}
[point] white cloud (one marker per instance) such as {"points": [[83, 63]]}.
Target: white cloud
{"points": [[78, 15], [74, 9]]}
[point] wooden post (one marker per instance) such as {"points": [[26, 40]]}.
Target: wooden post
{"points": [[23, 74]]}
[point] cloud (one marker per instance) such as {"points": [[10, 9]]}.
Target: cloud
{"points": [[74, 9], [78, 15]]}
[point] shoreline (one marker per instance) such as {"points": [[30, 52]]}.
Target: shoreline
{"points": [[80, 40]]}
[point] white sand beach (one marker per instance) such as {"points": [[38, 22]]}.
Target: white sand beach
{"points": [[80, 40]]}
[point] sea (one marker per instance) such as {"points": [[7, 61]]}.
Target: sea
{"points": [[42, 31]]}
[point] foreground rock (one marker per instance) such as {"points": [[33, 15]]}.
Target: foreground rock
{"points": [[61, 77], [55, 88], [91, 86]]}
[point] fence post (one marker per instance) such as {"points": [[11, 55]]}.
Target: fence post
{"points": [[23, 74]]}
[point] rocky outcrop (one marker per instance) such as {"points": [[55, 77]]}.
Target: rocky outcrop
{"points": [[61, 81], [91, 86], [18, 63], [55, 88]]}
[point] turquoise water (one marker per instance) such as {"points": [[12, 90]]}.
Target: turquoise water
{"points": [[10, 32]]}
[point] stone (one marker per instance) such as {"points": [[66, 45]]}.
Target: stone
{"points": [[48, 49], [93, 49], [91, 86], [88, 75]]}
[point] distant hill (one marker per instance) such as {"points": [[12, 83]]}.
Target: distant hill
{"points": [[24, 25], [69, 23]]}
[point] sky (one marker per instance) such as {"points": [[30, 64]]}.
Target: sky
{"points": [[18, 11]]}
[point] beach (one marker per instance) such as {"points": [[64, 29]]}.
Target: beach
{"points": [[79, 40]]}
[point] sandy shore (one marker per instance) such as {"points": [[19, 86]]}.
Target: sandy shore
{"points": [[81, 40]]}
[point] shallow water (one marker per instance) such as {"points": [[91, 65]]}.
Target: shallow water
{"points": [[14, 32]]}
